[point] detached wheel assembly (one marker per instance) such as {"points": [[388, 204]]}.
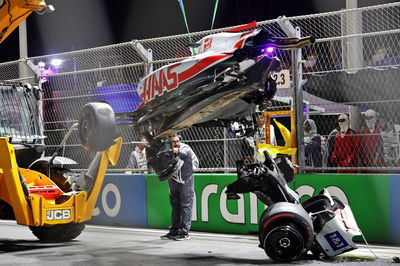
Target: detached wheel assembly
{"points": [[97, 126], [285, 231]]}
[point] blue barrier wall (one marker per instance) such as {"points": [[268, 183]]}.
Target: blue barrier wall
{"points": [[394, 202], [122, 201]]}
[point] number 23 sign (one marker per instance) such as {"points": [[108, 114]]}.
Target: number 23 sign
{"points": [[282, 78]]}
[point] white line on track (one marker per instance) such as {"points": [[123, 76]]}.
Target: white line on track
{"points": [[205, 234], [164, 230]]}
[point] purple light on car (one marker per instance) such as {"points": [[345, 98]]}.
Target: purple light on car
{"points": [[47, 72], [270, 50]]}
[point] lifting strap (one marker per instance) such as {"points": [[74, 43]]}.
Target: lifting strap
{"points": [[215, 12]]}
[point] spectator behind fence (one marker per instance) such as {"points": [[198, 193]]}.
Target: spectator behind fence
{"points": [[260, 132], [331, 145], [371, 147], [324, 151], [181, 190], [390, 142], [312, 144], [138, 159], [346, 146]]}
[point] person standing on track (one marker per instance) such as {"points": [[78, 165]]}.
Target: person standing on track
{"points": [[181, 190]]}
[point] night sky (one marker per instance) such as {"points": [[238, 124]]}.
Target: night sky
{"points": [[81, 24]]}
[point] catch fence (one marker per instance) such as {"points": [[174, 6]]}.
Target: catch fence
{"points": [[352, 67]]}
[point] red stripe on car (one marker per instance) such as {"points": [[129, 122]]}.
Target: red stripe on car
{"points": [[239, 44], [200, 66], [252, 24], [277, 216]]}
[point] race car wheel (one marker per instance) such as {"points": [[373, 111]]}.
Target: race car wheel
{"points": [[284, 242], [58, 232], [285, 231], [97, 126]]}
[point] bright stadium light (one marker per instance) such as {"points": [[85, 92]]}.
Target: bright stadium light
{"points": [[56, 62]]}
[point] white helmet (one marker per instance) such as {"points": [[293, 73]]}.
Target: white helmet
{"points": [[370, 119], [343, 121]]}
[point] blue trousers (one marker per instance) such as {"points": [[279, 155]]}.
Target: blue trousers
{"points": [[181, 198]]}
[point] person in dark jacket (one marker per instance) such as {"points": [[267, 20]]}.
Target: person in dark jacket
{"points": [[181, 190], [312, 144], [331, 146]]}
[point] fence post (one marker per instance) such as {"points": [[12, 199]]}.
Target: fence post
{"points": [[297, 94], [146, 55], [226, 161], [352, 56], [23, 49], [297, 69], [25, 66]]}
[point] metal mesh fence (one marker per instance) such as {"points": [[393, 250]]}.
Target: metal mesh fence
{"points": [[353, 67], [16, 111]]}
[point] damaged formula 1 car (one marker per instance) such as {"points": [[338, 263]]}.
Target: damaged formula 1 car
{"points": [[228, 73], [288, 229]]}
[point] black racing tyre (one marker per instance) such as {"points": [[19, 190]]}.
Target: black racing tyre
{"points": [[58, 232], [97, 126], [285, 231]]}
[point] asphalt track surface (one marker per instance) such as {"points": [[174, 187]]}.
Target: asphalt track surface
{"points": [[104, 245]]}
